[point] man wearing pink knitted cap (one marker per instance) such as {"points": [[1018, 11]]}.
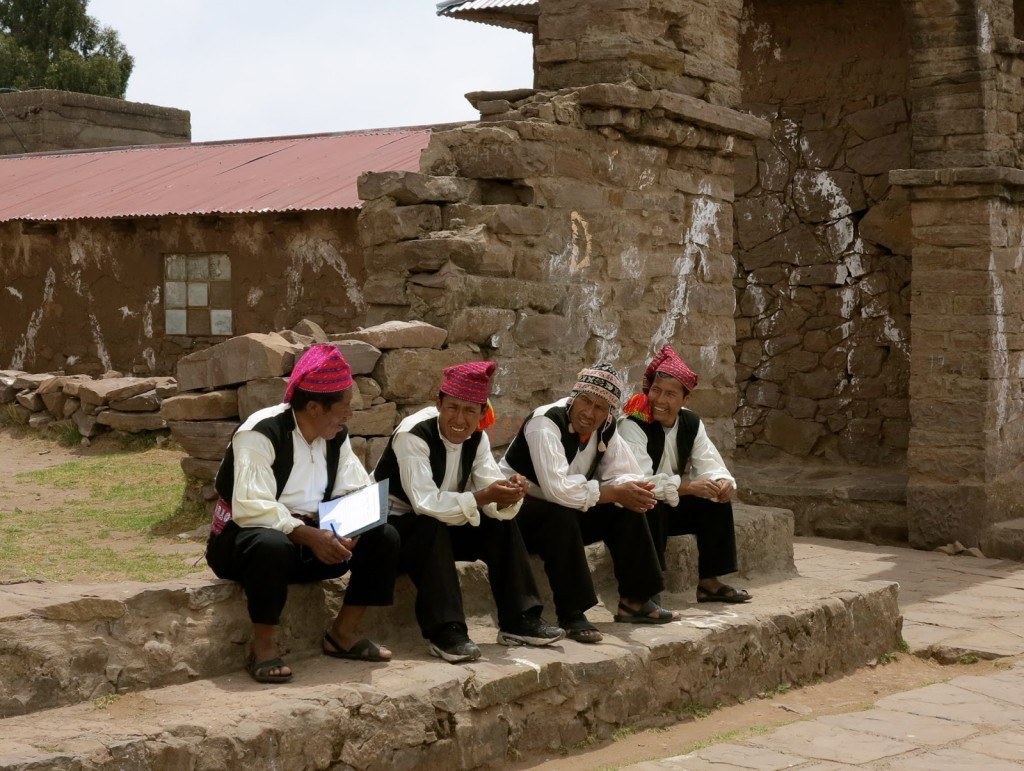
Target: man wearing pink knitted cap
{"points": [[284, 461], [693, 487], [450, 503]]}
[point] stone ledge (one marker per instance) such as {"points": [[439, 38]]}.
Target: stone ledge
{"points": [[982, 175], [63, 644], [418, 712]]}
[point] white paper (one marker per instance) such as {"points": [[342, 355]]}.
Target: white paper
{"points": [[356, 512]]}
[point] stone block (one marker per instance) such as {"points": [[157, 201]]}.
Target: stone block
{"points": [[40, 420], [25, 380], [412, 375], [166, 386], [144, 402], [54, 402], [368, 387], [204, 439], [796, 246], [87, 424], [480, 325], [375, 421], [242, 358], [131, 422], [30, 400], [881, 155], [407, 188], [888, 224], [797, 437], [294, 337], [101, 392], [823, 196], [214, 405], [819, 275], [379, 224], [361, 356], [260, 393], [197, 468], [71, 405], [310, 329], [878, 121], [399, 334], [759, 219], [7, 393]]}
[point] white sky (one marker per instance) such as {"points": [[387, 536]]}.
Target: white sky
{"points": [[247, 68]]}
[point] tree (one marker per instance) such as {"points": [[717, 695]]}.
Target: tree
{"points": [[57, 44]]}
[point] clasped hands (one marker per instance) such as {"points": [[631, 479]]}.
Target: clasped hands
{"points": [[503, 492], [717, 490]]}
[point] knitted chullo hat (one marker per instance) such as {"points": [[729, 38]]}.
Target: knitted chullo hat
{"points": [[472, 383], [321, 370], [602, 381], [665, 362]]}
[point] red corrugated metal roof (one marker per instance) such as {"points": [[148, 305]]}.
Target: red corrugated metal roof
{"points": [[281, 174]]}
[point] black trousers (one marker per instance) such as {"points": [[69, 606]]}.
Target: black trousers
{"points": [[558, 534], [711, 522], [429, 551], [265, 561]]}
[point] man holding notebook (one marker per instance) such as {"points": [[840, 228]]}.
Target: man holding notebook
{"points": [[283, 462], [450, 502]]}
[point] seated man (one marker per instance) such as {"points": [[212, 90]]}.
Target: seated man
{"points": [[692, 484], [442, 475], [282, 462], [579, 469]]}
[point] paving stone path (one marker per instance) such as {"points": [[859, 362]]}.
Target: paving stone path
{"points": [[952, 606]]}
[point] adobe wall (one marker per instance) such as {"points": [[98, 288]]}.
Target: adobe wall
{"points": [[822, 241], [102, 303], [43, 119]]}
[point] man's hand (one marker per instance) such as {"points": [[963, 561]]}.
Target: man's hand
{"points": [[521, 482], [325, 546], [504, 492], [635, 496], [726, 491]]}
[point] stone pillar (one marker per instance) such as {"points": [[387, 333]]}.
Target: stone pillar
{"points": [[967, 334], [686, 46]]}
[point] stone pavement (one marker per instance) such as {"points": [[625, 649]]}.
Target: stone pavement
{"points": [[952, 606]]}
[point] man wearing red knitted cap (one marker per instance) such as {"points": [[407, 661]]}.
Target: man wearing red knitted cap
{"points": [[284, 461], [693, 487], [442, 478], [585, 486]]}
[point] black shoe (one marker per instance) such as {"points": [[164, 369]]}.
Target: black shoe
{"points": [[530, 630], [451, 643]]}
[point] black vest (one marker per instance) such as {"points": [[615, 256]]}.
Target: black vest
{"points": [[686, 433], [518, 453], [428, 431], [278, 429]]}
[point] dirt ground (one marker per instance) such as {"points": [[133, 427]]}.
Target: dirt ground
{"points": [[854, 692]]}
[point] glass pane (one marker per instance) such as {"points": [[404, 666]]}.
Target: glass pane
{"points": [[220, 322], [174, 294], [175, 267], [197, 295], [174, 322], [198, 267], [220, 267]]}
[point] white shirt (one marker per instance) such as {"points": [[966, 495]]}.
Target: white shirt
{"points": [[446, 503], [705, 462], [255, 502], [566, 483]]}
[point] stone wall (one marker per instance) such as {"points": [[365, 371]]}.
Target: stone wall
{"points": [[41, 120], [822, 241], [577, 222], [100, 303]]}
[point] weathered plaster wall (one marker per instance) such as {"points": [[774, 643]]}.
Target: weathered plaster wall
{"points": [[86, 296], [44, 119], [822, 241]]}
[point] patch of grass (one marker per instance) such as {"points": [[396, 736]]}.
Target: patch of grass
{"points": [[13, 416], [887, 658], [778, 690], [904, 646], [623, 732], [140, 442], [580, 746], [100, 532], [968, 658], [66, 433], [695, 711], [105, 701]]}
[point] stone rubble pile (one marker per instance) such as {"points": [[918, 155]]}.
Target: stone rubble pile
{"points": [[53, 400], [396, 366]]}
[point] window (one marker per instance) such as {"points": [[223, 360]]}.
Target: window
{"points": [[197, 294]]}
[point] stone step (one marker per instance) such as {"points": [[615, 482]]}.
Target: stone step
{"points": [[1005, 540], [423, 713], [63, 644]]}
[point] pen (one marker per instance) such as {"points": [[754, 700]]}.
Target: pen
{"points": [[335, 531]]}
